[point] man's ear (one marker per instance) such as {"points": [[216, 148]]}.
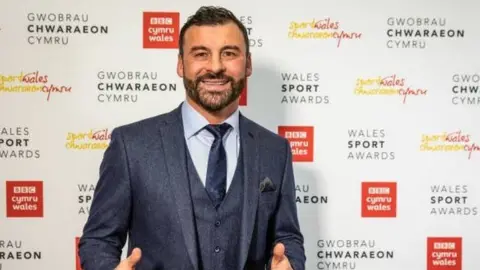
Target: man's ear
{"points": [[249, 65], [180, 65]]}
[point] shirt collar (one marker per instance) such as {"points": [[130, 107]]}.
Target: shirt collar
{"points": [[194, 122]]}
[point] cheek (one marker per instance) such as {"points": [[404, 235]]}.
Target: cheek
{"points": [[192, 69], [192, 72], [236, 70]]}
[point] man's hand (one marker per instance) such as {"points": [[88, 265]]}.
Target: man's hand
{"points": [[279, 260], [130, 262]]}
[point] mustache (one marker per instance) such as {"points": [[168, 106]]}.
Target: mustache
{"points": [[214, 76]]}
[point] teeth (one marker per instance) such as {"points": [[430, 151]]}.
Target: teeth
{"points": [[215, 82]]}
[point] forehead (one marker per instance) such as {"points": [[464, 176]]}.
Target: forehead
{"points": [[214, 36]]}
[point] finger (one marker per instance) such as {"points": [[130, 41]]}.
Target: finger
{"points": [[279, 251], [134, 258]]}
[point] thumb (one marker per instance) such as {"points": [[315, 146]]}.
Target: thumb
{"points": [[279, 252], [134, 258]]}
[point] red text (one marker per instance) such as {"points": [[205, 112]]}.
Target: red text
{"points": [[101, 135], [57, 89], [326, 24], [457, 137], [471, 148], [392, 81], [34, 78], [410, 92], [345, 35]]}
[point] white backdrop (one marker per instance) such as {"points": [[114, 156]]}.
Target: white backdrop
{"points": [[384, 181]]}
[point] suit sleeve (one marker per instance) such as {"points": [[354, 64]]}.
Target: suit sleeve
{"points": [[105, 231], [286, 224]]}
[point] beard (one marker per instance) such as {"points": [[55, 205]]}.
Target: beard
{"points": [[210, 100]]}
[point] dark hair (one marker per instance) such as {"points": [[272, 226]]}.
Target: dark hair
{"points": [[210, 15]]}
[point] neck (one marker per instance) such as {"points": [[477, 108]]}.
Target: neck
{"points": [[214, 117]]}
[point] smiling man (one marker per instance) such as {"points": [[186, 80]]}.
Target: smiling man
{"points": [[202, 186]]}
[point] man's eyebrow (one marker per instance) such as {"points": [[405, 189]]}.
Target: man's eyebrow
{"points": [[231, 47], [198, 48], [203, 48]]}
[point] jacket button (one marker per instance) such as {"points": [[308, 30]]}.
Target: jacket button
{"points": [[217, 249], [217, 223]]}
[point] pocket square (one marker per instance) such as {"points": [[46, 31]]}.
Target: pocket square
{"points": [[267, 185]]}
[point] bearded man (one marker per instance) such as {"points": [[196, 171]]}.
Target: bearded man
{"points": [[202, 186]]}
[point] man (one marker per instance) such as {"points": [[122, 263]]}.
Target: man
{"points": [[202, 186]]}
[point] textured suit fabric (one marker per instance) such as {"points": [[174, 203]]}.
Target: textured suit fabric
{"points": [[217, 228], [143, 192]]}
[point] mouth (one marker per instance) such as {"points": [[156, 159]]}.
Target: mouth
{"points": [[215, 85], [215, 81]]}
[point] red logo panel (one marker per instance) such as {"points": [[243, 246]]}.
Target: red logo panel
{"points": [[379, 199], [301, 141], [161, 30], [24, 198], [444, 253]]}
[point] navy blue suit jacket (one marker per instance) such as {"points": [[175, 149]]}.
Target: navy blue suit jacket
{"points": [[143, 192]]}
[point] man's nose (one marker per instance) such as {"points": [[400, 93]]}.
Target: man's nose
{"points": [[216, 64]]}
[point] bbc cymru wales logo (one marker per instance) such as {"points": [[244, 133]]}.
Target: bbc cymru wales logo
{"points": [[456, 141], [31, 82], [24, 199], [94, 139], [391, 85], [444, 253], [161, 30], [321, 29], [379, 199], [301, 141]]}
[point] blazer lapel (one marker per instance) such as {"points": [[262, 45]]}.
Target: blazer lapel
{"points": [[250, 152], [174, 153]]}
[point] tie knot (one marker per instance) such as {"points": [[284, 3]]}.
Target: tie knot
{"points": [[219, 130]]}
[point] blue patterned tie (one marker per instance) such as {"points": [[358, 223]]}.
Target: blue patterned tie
{"points": [[216, 180]]}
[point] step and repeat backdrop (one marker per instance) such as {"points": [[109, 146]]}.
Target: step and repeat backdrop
{"points": [[379, 99]]}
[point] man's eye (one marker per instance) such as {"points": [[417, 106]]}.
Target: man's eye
{"points": [[227, 53]]}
